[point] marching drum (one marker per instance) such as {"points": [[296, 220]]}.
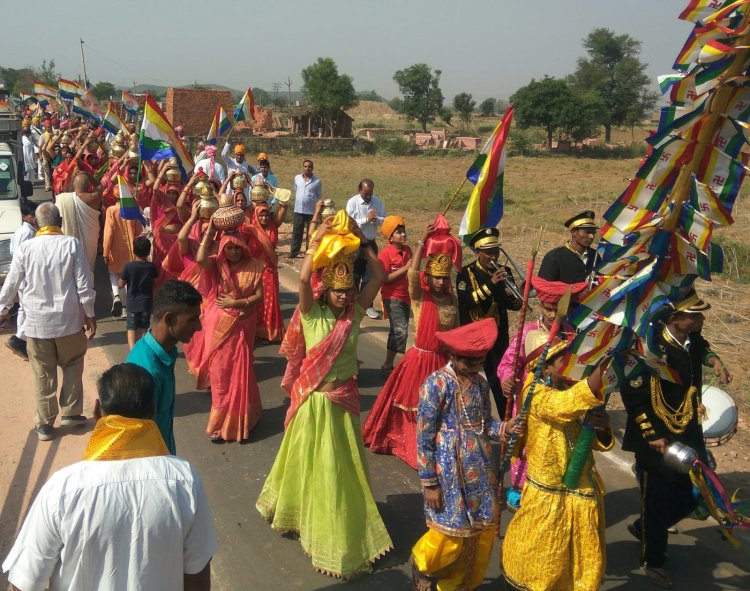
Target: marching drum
{"points": [[720, 418]]}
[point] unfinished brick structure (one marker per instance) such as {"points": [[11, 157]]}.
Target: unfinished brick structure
{"points": [[193, 108]]}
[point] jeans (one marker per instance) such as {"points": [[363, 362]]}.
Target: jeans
{"points": [[398, 316], [300, 221], [361, 272]]}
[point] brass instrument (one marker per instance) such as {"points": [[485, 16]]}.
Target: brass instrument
{"points": [[510, 282]]}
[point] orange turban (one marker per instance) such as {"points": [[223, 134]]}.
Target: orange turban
{"points": [[390, 223]]}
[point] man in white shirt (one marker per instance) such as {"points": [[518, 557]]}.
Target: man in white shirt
{"points": [[208, 164], [51, 277], [368, 212], [307, 190], [80, 210], [237, 163], [17, 343], [29, 158], [129, 516]]}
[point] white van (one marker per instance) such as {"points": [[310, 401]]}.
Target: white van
{"points": [[12, 192]]}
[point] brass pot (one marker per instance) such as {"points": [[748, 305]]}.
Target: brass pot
{"points": [[66, 140], [117, 149], [259, 193], [239, 182], [173, 175], [203, 188], [208, 206]]}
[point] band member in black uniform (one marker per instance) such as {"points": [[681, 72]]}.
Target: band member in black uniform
{"points": [[659, 413], [574, 261], [482, 289]]}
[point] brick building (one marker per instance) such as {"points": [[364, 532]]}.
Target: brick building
{"points": [[193, 108]]}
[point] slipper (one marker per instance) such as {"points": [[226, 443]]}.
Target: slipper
{"points": [[216, 438]]}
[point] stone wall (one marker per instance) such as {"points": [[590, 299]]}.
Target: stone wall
{"points": [[297, 145]]}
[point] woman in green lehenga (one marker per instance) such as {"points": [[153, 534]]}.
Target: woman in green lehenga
{"points": [[319, 484]]}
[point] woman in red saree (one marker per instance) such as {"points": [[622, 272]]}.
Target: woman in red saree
{"points": [[165, 224], [391, 426], [231, 284], [270, 322]]}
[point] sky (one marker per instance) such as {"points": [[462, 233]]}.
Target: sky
{"points": [[484, 47]]}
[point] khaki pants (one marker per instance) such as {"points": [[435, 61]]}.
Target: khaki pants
{"points": [[45, 355]]}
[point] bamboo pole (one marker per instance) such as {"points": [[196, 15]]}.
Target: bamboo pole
{"points": [[452, 199]]}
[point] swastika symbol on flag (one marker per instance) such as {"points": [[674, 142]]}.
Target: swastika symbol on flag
{"points": [[715, 4], [690, 256], [718, 180], [692, 95], [721, 141], [651, 186], [693, 237], [740, 106], [666, 156], [705, 207], [632, 207], [607, 292]]}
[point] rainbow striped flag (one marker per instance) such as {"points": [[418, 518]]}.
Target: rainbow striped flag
{"points": [[68, 89], [739, 104], [698, 10], [717, 15], [245, 110], [129, 103], [159, 140], [730, 136], [723, 175], [699, 36], [43, 89], [87, 95], [112, 122], [129, 209], [485, 206], [713, 51], [703, 199], [82, 109], [220, 124], [695, 227]]}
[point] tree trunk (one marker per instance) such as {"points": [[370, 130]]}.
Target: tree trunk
{"points": [[607, 133], [424, 126], [549, 138]]}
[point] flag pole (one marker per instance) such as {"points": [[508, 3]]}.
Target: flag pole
{"points": [[452, 199]]}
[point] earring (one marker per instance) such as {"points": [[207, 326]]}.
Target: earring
{"points": [[548, 381]]}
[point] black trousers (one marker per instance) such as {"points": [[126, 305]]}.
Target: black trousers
{"points": [[491, 362], [361, 274], [666, 498], [300, 221]]}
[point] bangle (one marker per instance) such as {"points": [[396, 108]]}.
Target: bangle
{"points": [[310, 251], [421, 243]]}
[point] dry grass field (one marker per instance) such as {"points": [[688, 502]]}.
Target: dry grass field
{"points": [[538, 192]]}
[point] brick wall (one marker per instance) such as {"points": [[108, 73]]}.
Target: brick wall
{"points": [[194, 108]]}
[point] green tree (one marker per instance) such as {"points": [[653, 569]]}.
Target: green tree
{"points": [[397, 104], [370, 95], [104, 91], [47, 73], [423, 98], [327, 92], [445, 116], [487, 107], [552, 104], [464, 105], [260, 96], [614, 71]]}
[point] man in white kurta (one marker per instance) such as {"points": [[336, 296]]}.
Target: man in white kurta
{"points": [[80, 211]]}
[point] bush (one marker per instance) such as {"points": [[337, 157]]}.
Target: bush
{"points": [[521, 144], [634, 150], [736, 259], [485, 129], [394, 146]]}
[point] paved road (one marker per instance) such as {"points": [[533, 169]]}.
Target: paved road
{"points": [[253, 556]]}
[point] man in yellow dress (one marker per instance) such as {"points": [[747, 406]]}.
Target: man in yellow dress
{"points": [[556, 539]]}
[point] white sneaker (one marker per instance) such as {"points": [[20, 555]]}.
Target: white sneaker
{"points": [[373, 313]]}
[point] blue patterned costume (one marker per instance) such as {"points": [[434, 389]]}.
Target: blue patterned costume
{"points": [[453, 450]]}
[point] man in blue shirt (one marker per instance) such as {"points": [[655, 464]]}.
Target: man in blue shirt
{"points": [[176, 317], [307, 190]]}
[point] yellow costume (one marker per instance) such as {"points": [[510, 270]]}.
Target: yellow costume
{"points": [[556, 539]]}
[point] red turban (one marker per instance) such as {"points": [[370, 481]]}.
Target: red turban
{"points": [[442, 242], [470, 340], [551, 291]]}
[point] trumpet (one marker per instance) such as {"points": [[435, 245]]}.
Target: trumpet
{"points": [[509, 282]]}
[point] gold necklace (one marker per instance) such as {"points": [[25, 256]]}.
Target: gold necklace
{"points": [[674, 419]]}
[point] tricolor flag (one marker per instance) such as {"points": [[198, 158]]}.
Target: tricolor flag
{"points": [[245, 110], [129, 209], [220, 124], [703, 199], [485, 206], [159, 140], [112, 122], [129, 103], [42, 101], [43, 89], [68, 89]]}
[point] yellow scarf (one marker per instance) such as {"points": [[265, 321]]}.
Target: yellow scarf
{"points": [[49, 231], [121, 438]]}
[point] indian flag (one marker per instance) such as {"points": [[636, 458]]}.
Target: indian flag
{"points": [[43, 89], [159, 140], [245, 110], [129, 103], [112, 122], [68, 89], [485, 207]]}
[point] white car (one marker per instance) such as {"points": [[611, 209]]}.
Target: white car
{"points": [[12, 192]]}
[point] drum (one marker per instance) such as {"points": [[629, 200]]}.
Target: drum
{"points": [[720, 419]]}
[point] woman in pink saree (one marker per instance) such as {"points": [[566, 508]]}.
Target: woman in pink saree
{"points": [[231, 284], [165, 224]]}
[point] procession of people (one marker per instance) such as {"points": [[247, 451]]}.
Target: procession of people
{"points": [[202, 268]]}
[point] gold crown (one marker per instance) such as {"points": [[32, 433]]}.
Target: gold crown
{"points": [[438, 265], [339, 274]]}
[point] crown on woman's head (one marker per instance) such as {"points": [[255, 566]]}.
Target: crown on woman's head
{"points": [[438, 265], [339, 273]]}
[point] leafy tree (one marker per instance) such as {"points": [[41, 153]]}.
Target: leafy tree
{"points": [[47, 73], [397, 104], [552, 104], [370, 95], [104, 91], [464, 105], [446, 115], [17, 81], [327, 92], [280, 101], [487, 107], [501, 105], [260, 96], [423, 98], [613, 71]]}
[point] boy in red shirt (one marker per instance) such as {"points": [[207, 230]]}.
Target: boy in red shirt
{"points": [[395, 259]]}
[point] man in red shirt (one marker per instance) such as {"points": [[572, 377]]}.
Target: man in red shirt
{"points": [[395, 259]]}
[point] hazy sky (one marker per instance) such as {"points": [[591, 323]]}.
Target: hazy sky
{"points": [[485, 47]]}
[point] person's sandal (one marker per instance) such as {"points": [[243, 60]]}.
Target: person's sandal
{"points": [[216, 438], [658, 576]]}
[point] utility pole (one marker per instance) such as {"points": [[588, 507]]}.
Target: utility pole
{"points": [[83, 61], [276, 86], [289, 94]]}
